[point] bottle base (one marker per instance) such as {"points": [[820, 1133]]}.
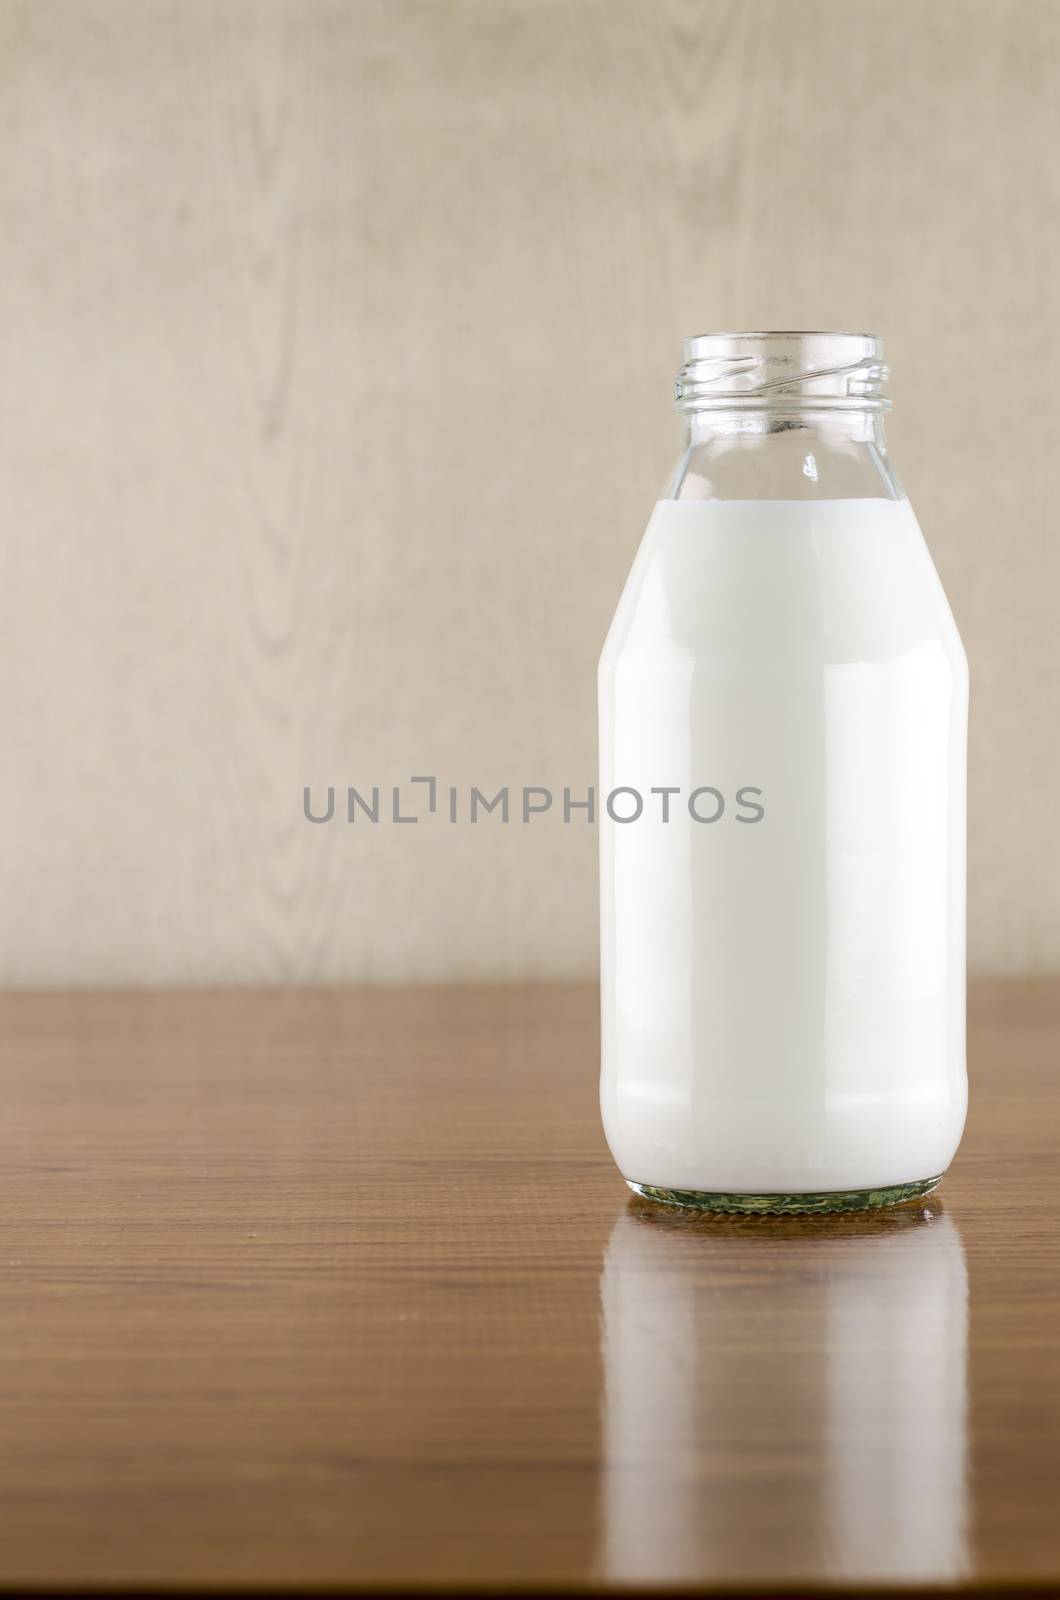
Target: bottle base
{"points": [[788, 1204]]}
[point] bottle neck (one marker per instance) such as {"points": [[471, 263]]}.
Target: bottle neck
{"points": [[783, 416], [791, 454], [838, 428]]}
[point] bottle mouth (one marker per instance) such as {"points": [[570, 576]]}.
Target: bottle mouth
{"points": [[786, 371]]}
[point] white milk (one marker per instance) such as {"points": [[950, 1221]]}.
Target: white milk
{"points": [[783, 995]]}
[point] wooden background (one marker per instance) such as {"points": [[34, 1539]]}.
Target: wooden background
{"points": [[336, 339]]}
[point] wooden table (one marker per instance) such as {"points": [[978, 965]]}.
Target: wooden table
{"points": [[340, 1289]]}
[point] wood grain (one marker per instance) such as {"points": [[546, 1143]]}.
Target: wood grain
{"points": [[339, 1288], [338, 340]]}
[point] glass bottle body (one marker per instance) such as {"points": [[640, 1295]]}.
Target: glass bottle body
{"points": [[783, 693]]}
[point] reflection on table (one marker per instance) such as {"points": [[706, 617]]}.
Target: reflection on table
{"points": [[784, 1397]]}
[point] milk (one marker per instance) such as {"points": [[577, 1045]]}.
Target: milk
{"points": [[783, 981]]}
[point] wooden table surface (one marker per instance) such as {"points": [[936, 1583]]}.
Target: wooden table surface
{"points": [[339, 1288]]}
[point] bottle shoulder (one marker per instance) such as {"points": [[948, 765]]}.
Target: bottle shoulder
{"points": [[831, 580]]}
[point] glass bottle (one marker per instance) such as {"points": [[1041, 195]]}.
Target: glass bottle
{"points": [[783, 719]]}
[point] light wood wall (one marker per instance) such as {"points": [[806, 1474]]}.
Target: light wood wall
{"points": [[336, 343]]}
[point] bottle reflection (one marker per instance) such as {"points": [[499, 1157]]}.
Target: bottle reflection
{"points": [[784, 1398]]}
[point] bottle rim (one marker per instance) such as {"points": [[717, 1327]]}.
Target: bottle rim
{"points": [[782, 370]]}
